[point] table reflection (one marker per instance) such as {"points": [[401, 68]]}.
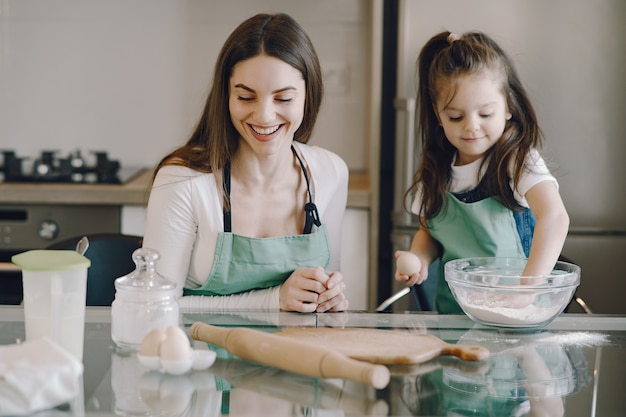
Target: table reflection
{"points": [[527, 374], [572, 368]]}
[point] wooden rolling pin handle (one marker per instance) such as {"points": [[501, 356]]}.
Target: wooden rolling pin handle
{"points": [[290, 355], [466, 352]]}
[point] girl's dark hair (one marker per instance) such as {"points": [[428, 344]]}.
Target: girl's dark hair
{"points": [[215, 140], [445, 58]]}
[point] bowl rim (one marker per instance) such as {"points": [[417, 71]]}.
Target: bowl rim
{"points": [[449, 266]]}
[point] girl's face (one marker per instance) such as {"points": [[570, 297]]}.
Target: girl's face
{"points": [[266, 103], [473, 113]]}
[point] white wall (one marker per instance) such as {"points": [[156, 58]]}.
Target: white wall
{"points": [[130, 77]]}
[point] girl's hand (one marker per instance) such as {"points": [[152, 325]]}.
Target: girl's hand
{"points": [[302, 290], [410, 269]]}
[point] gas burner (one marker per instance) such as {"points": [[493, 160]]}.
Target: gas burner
{"points": [[47, 168]]}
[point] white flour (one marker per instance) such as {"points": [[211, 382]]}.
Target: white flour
{"points": [[528, 315]]}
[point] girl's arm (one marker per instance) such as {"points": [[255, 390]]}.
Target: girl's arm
{"points": [[550, 229], [427, 250]]}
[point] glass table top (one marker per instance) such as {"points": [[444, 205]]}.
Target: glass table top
{"points": [[573, 367]]}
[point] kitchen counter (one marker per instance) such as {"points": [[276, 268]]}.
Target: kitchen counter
{"points": [[133, 192], [581, 360]]}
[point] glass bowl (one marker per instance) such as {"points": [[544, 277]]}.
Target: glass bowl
{"points": [[491, 291]]}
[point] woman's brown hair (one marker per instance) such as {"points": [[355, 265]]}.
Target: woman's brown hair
{"points": [[215, 140]]}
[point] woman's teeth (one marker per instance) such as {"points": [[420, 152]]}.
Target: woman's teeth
{"points": [[266, 130]]}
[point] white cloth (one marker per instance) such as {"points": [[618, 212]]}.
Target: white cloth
{"points": [[185, 215], [37, 375], [467, 177]]}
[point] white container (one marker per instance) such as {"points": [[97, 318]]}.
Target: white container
{"points": [[144, 301], [55, 291]]}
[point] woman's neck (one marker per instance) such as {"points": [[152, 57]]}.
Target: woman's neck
{"points": [[266, 171]]}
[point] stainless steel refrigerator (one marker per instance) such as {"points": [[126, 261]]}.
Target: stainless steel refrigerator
{"points": [[571, 56]]}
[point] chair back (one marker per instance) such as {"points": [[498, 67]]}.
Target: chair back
{"points": [[111, 257]]}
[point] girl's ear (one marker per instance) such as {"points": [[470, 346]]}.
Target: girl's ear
{"points": [[508, 116]]}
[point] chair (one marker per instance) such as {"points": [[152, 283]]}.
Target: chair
{"points": [[111, 257]]}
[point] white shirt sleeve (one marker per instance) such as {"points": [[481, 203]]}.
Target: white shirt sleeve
{"points": [[536, 171], [329, 186]]}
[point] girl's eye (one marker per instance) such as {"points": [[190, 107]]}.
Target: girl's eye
{"points": [[241, 98], [486, 116], [283, 99], [455, 119]]}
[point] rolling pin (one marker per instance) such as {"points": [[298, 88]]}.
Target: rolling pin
{"points": [[290, 355]]}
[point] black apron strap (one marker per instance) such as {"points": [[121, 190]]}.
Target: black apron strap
{"points": [[226, 183], [312, 217]]}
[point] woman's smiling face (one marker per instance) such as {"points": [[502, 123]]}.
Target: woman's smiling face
{"points": [[266, 103], [473, 113]]}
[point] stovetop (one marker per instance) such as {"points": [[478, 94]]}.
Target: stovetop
{"points": [[48, 167]]}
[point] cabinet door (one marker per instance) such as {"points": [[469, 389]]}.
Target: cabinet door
{"points": [[355, 256]]}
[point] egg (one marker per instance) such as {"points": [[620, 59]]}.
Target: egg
{"points": [[149, 350], [176, 353], [151, 343], [408, 263]]}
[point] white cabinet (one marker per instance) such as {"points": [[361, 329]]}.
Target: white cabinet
{"points": [[355, 256]]}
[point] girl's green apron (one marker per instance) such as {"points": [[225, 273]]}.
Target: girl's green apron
{"points": [[245, 263], [465, 230]]}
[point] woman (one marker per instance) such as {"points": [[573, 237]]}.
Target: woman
{"points": [[245, 214]]}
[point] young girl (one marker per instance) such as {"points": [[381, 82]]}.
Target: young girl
{"points": [[481, 189]]}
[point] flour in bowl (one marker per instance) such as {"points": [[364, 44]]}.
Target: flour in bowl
{"points": [[527, 315]]}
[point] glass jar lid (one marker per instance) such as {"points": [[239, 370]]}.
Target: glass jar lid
{"points": [[145, 275]]}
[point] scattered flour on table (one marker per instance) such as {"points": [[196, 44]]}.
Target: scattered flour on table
{"points": [[575, 339]]}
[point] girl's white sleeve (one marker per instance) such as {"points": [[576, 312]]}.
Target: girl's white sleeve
{"points": [[536, 171]]}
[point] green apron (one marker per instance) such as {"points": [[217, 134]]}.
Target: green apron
{"points": [[246, 263], [464, 230]]}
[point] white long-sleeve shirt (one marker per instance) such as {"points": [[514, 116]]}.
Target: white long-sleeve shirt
{"points": [[185, 215]]}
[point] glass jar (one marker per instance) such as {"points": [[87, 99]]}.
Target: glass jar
{"points": [[144, 301]]}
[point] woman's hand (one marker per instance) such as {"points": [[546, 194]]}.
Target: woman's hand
{"points": [[333, 298], [311, 289]]}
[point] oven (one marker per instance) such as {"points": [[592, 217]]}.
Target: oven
{"points": [[26, 226]]}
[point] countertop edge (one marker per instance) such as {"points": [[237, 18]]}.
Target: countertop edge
{"points": [[132, 193]]}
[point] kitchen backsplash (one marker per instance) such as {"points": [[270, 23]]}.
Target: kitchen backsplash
{"points": [[131, 77]]}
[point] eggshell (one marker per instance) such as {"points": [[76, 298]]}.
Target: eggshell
{"points": [[150, 362], [202, 359], [408, 263]]}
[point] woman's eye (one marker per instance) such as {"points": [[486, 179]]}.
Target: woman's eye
{"points": [[283, 100], [242, 98]]}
